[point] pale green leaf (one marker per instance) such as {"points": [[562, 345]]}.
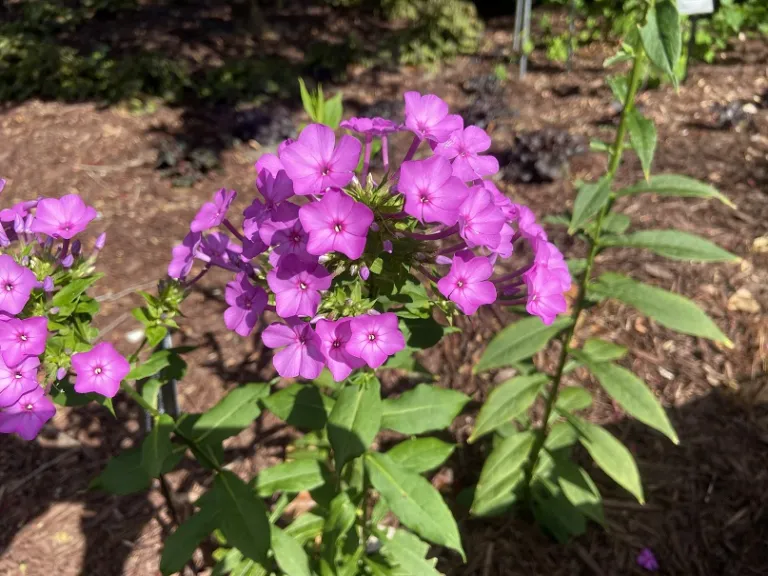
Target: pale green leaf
{"points": [[422, 409], [572, 399], [179, 546], [602, 351], [301, 406], [355, 420], [292, 477], [231, 414], [589, 201], [662, 38], [507, 401], [675, 185], [243, 517], [642, 134], [289, 554], [157, 446], [579, 488], [421, 454], [408, 559], [673, 244]]}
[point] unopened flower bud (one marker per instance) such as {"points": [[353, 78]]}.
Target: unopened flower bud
{"points": [[388, 246], [374, 227], [48, 284], [441, 259], [365, 273], [76, 247], [2, 184], [18, 224], [101, 240], [68, 261], [61, 373]]}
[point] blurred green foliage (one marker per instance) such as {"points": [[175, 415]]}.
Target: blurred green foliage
{"points": [[713, 34]]}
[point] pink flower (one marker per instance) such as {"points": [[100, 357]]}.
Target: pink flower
{"points": [[20, 210], [545, 297], [336, 224], [16, 284], [373, 126], [212, 214], [432, 193], [292, 240], [427, 117], [27, 416], [526, 223], [268, 165], [297, 286], [269, 221], [22, 338], [17, 381], [547, 256], [100, 370], [183, 256], [505, 247], [273, 187], [315, 163], [62, 218], [480, 220], [467, 283], [464, 147], [217, 248], [334, 337], [300, 353], [375, 337], [246, 303], [646, 559], [504, 203]]}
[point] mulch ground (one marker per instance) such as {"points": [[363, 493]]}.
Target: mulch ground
{"points": [[706, 512]]}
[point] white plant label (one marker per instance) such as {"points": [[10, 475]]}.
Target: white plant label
{"points": [[693, 7]]}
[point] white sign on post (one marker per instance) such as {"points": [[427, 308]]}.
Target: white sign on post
{"points": [[694, 7]]}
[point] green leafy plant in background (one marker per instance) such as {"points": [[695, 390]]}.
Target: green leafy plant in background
{"points": [[532, 463], [715, 33]]}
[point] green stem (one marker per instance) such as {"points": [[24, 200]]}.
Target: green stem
{"points": [[617, 150], [139, 399]]}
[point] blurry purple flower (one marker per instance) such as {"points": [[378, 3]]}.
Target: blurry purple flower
{"points": [[427, 117], [67, 261], [432, 193], [504, 203], [336, 224], [480, 220], [375, 338], [61, 373], [101, 241], [2, 184], [62, 218], [22, 338], [505, 247], [100, 370], [647, 560], [545, 297], [334, 337], [464, 147], [17, 381], [267, 164], [217, 248], [48, 285], [526, 223], [300, 353], [5, 241], [547, 256], [365, 273], [274, 187], [315, 163], [292, 240], [467, 283], [16, 283], [77, 246], [373, 126], [27, 417], [20, 210], [284, 144], [297, 286], [212, 214], [246, 303], [387, 246], [270, 220], [183, 256]]}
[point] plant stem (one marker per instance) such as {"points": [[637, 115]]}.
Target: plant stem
{"points": [[594, 244]]}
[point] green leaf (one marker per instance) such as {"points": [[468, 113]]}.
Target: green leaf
{"points": [[580, 490], [506, 402], [422, 409], [180, 546], [289, 554], [231, 414], [124, 474], [662, 38], [633, 395], [301, 406], [573, 398], [609, 454], [422, 333], [675, 185], [668, 309], [72, 291], [501, 473], [354, 421], [155, 335], [421, 454], [518, 341], [243, 517], [597, 350], [642, 134], [306, 527], [408, 558], [150, 390], [416, 503], [589, 201], [306, 100], [157, 445], [555, 513], [291, 477], [151, 367], [561, 435], [576, 266], [673, 244], [613, 223], [333, 111]]}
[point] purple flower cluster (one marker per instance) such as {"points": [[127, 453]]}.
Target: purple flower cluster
{"points": [[43, 230], [310, 232]]}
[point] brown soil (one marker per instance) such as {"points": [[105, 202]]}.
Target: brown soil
{"points": [[707, 498]]}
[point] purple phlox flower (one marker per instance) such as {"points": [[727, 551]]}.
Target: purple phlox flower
{"points": [[315, 163], [547, 256], [77, 247], [246, 303], [61, 373], [545, 298], [274, 187], [67, 261], [526, 223], [365, 272], [505, 247], [646, 559], [371, 126], [27, 416], [2, 184], [300, 353], [183, 256], [100, 370], [480, 220], [334, 337], [375, 338], [17, 381], [464, 147], [427, 117], [504, 203], [267, 164], [21, 210], [269, 221], [212, 214], [336, 224], [22, 338], [5, 241], [292, 240], [297, 286], [218, 249], [63, 217], [16, 284], [284, 144], [387, 245], [101, 241], [432, 193], [467, 283]]}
